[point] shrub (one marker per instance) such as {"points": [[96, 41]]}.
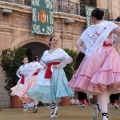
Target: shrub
{"points": [[70, 68], [10, 61]]}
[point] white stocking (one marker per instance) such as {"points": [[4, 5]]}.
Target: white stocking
{"points": [[102, 101]]}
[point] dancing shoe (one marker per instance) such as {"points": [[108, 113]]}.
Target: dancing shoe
{"points": [[111, 105], [25, 107], [55, 112], [116, 106], [83, 105], [105, 116], [52, 107], [35, 109]]}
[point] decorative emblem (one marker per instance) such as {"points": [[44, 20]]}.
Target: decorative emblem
{"points": [[43, 16]]}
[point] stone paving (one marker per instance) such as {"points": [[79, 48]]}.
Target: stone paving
{"points": [[65, 113]]}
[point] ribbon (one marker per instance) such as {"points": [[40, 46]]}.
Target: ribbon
{"points": [[48, 73]]}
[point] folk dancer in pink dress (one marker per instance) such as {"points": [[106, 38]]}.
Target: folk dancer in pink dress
{"points": [[99, 72], [16, 90], [30, 72]]}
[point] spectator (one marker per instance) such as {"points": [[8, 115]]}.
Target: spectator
{"points": [[74, 100]]}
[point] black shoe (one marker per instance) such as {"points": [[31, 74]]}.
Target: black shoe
{"points": [[35, 109], [105, 116], [55, 112]]}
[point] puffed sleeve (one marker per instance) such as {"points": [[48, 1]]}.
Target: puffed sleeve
{"points": [[18, 73], [66, 59]]}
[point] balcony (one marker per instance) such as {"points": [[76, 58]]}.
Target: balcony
{"points": [[67, 7], [64, 6]]}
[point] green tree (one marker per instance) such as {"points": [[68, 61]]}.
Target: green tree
{"points": [[70, 68], [10, 61]]}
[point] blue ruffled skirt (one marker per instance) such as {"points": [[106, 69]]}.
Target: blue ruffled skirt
{"points": [[59, 86], [48, 94]]}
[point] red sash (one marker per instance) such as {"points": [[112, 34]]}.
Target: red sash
{"points": [[36, 73], [48, 73], [105, 44], [22, 79]]}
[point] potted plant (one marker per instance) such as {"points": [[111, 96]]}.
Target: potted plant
{"points": [[69, 70], [10, 61]]}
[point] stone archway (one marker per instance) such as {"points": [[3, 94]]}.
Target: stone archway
{"points": [[35, 48]]}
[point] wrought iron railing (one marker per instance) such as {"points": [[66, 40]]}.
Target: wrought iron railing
{"points": [[27, 2], [67, 7], [64, 6]]}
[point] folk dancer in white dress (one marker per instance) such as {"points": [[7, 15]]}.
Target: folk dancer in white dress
{"points": [[16, 90], [52, 83], [31, 72]]}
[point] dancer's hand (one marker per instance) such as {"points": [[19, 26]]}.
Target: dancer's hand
{"points": [[39, 69], [54, 66], [45, 67]]}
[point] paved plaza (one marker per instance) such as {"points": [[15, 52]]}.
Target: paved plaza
{"points": [[65, 113]]}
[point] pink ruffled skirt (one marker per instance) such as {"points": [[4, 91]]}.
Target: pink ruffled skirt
{"points": [[30, 83], [98, 72]]}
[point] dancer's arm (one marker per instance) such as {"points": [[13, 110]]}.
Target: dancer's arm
{"points": [[43, 64], [79, 45], [65, 59], [117, 31], [117, 36], [18, 73], [64, 63]]}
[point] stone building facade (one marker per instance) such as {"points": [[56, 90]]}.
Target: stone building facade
{"points": [[15, 27]]}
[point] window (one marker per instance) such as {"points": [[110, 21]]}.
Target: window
{"points": [[86, 2], [27, 2]]}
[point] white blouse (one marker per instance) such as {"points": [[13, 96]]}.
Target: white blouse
{"points": [[31, 68], [59, 55], [20, 71], [95, 35]]}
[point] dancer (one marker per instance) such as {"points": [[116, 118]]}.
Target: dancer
{"points": [[31, 72], [52, 83], [81, 95], [16, 90], [75, 100], [99, 72]]}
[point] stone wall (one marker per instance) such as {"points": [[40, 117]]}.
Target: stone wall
{"points": [[15, 30], [113, 7]]}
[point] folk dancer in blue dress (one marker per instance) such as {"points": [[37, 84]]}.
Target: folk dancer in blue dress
{"points": [[52, 83]]}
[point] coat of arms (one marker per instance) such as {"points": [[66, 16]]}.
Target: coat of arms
{"points": [[43, 16]]}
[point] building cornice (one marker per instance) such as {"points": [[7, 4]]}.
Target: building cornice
{"points": [[16, 7], [62, 15], [27, 9]]}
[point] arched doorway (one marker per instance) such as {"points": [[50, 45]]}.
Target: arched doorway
{"points": [[35, 48]]}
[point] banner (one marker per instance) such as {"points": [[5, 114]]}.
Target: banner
{"points": [[88, 10], [42, 17]]}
